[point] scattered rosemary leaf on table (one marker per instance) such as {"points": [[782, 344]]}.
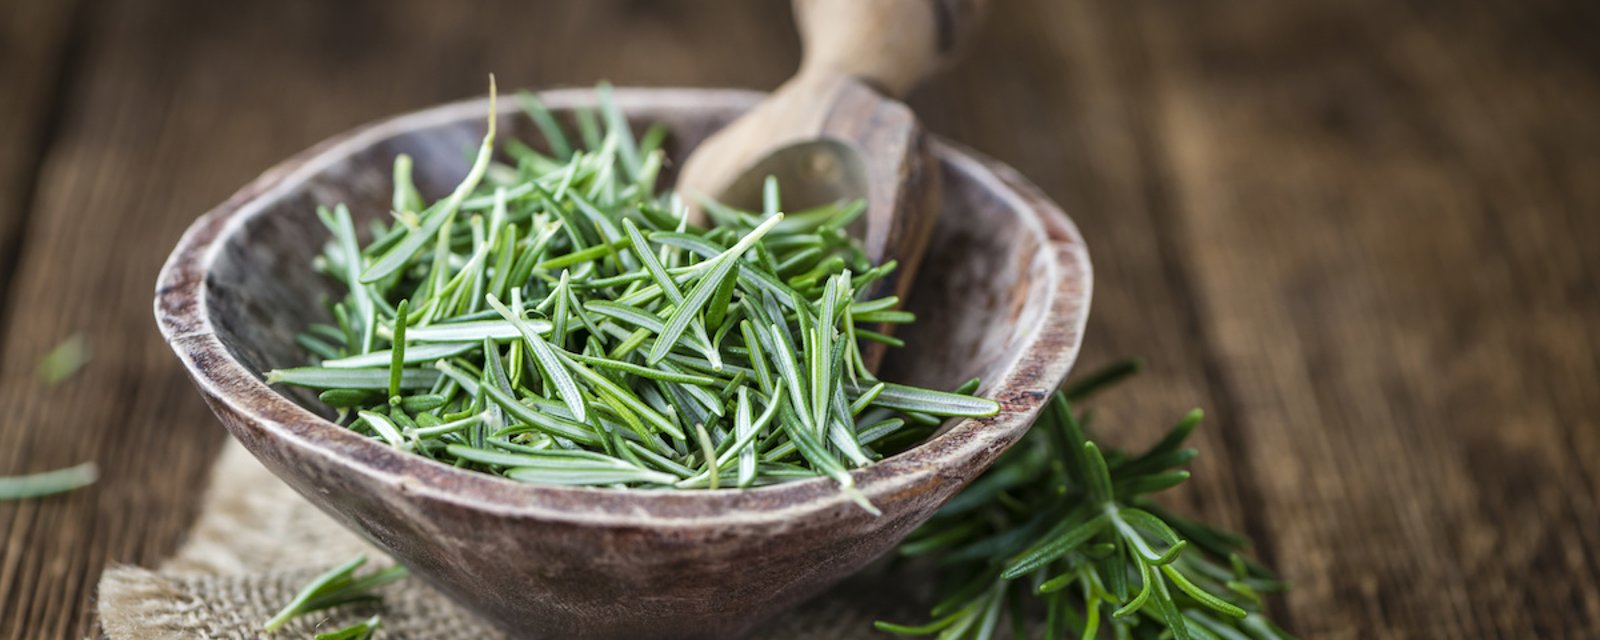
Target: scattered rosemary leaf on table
{"points": [[64, 361], [49, 482], [555, 319]]}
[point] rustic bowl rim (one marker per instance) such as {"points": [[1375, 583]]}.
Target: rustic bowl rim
{"points": [[1026, 384]]}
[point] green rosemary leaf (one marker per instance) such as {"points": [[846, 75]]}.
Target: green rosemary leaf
{"points": [[423, 402], [1147, 586], [440, 213], [923, 630], [745, 431], [473, 332], [374, 379], [717, 308], [645, 372], [697, 298], [951, 537], [549, 365], [1200, 595], [790, 370], [385, 429], [1088, 385], [344, 232], [1064, 540], [546, 122], [1143, 520], [406, 197], [927, 401], [356, 589], [398, 361], [1161, 455], [887, 317], [1168, 610], [64, 361], [843, 437], [577, 474], [604, 385], [358, 631], [542, 420], [879, 430], [338, 586], [1148, 484], [866, 398], [529, 458], [746, 435], [318, 586], [1096, 476], [315, 345], [418, 354], [588, 254], [347, 398], [879, 337], [709, 452], [49, 482]]}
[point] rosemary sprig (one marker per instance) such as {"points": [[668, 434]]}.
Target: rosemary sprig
{"points": [[1062, 526], [554, 320], [338, 586], [49, 482]]}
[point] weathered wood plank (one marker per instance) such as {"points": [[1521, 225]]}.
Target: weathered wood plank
{"points": [[1361, 233], [35, 42], [177, 105], [1055, 90], [1389, 210]]}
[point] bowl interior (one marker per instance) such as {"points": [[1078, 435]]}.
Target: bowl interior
{"points": [[979, 297]]}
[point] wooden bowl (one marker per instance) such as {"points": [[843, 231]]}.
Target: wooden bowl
{"points": [[1003, 294]]}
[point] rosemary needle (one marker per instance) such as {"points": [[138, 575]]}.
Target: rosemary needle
{"points": [[65, 360], [358, 631], [48, 482]]}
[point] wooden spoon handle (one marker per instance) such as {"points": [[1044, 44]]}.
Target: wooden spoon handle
{"points": [[891, 44]]}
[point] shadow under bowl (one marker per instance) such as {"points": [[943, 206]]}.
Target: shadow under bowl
{"points": [[1003, 294]]}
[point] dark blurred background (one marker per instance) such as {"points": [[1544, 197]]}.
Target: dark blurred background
{"points": [[1364, 235]]}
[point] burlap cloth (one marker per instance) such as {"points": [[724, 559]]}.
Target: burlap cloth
{"points": [[257, 542]]}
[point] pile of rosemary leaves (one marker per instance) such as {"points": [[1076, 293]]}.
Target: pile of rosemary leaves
{"points": [[557, 321]]}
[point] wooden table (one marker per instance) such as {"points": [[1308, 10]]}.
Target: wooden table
{"points": [[1364, 235]]}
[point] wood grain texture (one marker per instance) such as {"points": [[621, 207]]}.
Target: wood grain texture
{"points": [[1078, 128], [1394, 249], [1362, 234], [36, 46]]}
